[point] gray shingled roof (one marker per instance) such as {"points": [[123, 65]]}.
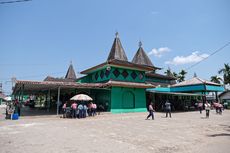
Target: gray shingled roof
{"points": [[117, 51], [70, 73], [49, 78], [69, 77], [141, 58], [32, 86], [195, 81], [157, 75]]}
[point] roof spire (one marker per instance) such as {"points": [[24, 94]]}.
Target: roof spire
{"points": [[140, 44], [70, 73], [141, 57], [116, 34], [194, 75]]}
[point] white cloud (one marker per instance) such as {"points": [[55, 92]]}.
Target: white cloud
{"points": [[193, 58], [159, 52]]}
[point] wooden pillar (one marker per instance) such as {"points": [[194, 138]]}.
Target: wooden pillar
{"points": [[20, 93], [58, 99], [23, 86], [216, 96], [48, 100]]}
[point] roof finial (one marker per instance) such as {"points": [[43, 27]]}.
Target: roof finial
{"points": [[71, 62], [116, 34], [140, 43], [195, 75], [169, 68]]}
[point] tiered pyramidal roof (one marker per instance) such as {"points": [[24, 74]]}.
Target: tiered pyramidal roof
{"points": [[70, 73], [69, 77], [141, 57], [117, 52]]}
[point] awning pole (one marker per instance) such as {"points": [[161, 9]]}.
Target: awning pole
{"points": [[58, 100], [48, 101]]}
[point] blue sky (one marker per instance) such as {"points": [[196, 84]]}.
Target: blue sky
{"points": [[40, 37]]}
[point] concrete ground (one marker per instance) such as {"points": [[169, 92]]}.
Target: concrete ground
{"points": [[186, 132]]}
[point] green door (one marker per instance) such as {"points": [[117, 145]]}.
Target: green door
{"points": [[128, 100]]}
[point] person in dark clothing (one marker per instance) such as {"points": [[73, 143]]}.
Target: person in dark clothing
{"points": [[168, 108], [17, 107], [80, 108], [150, 109], [85, 108], [100, 109]]}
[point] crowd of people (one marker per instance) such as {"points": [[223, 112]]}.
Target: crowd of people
{"points": [[78, 110], [200, 106]]}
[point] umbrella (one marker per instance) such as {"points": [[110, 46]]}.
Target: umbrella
{"points": [[8, 98], [81, 97]]}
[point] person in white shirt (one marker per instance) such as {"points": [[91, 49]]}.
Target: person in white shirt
{"points": [[150, 109], [207, 108]]}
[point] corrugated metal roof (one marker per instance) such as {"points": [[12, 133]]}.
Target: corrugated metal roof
{"points": [[34, 86], [49, 78], [175, 93]]}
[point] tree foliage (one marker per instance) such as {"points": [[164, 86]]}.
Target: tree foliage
{"points": [[181, 75], [226, 72], [216, 79]]}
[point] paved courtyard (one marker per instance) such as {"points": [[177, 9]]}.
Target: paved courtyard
{"points": [[187, 132]]}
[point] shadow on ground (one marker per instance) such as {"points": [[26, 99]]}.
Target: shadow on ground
{"points": [[220, 134], [37, 112]]}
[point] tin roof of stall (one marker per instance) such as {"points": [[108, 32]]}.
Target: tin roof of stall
{"points": [[175, 93], [195, 81]]}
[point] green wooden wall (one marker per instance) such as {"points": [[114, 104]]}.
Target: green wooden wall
{"points": [[102, 97], [118, 99], [128, 100], [119, 74]]}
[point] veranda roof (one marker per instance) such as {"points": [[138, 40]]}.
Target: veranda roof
{"points": [[34, 86]]}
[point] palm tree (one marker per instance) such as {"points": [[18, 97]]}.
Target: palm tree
{"points": [[175, 74], [181, 75], [226, 72], [216, 79], [168, 72]]}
